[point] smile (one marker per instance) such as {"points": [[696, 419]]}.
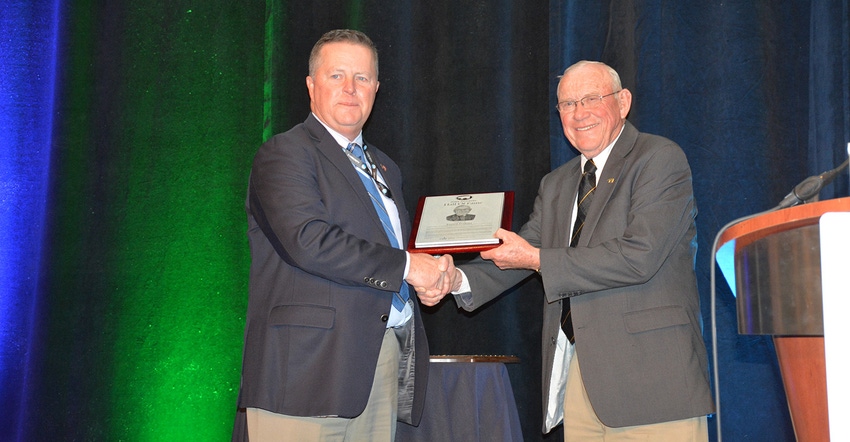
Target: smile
{"points": [[582, 129]]}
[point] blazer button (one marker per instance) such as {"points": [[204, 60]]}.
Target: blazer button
{"points": [[383, 284], [385, 318]]}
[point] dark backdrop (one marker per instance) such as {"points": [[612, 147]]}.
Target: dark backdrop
{"points": [[129, 129]]}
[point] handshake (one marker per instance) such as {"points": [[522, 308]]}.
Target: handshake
{"points": [[432, 277]]}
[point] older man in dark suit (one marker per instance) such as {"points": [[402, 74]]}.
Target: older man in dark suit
{"points": [[334, 344], [616, 257]]}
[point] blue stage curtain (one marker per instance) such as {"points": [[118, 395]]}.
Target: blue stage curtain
{"points": [[128, 129], [758, 96]]}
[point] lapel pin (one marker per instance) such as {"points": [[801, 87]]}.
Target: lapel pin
{"points": [[610, 180]]}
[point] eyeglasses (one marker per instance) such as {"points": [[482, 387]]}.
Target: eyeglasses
{"points": [[588, 102]]}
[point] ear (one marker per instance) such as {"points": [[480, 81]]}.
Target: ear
{"points": [[625, 100], [309, 81]]}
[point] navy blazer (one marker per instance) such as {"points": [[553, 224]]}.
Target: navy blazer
{"points": [[323, 274], [631, 282]]}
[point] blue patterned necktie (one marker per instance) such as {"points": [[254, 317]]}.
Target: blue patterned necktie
{"points": [[367, 172]]}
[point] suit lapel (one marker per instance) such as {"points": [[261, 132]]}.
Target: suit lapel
{"points": [[396, 190], [328, 147], [395, 187], [606, 183], [567, 200]]}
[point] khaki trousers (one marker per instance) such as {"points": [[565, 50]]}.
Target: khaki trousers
{"points": [[376, 423], [581, 423]]}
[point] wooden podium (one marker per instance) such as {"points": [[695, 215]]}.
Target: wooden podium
{"points": [[777, 281]]}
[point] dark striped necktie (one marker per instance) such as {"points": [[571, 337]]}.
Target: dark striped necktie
{"points": [[585, 197]]}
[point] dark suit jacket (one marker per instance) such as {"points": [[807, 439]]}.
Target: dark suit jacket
{"points": [[630, 280], [323, 274]]}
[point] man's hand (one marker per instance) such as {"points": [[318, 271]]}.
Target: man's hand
{"points": [[514, 253], [457, 280], [431, 277]]}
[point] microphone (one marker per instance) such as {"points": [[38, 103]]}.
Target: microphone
{"points": [[811, 186]]}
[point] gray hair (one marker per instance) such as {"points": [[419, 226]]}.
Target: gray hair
{"points": [[615, 77]]}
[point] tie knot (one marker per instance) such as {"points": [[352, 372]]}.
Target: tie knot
{"points": [[356, 150], [589, 167]]}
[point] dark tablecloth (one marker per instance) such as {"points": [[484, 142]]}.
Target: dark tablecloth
{"points": [[466, 401]]}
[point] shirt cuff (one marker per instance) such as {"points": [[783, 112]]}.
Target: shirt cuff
{"points": [[406, 264], [464, 284], [463, 295]]}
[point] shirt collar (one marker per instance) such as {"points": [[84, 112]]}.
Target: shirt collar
{"points": [[341, 139], [602, 158]]}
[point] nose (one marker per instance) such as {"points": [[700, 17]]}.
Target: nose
{"points": [[580, 112], [350, 85]]}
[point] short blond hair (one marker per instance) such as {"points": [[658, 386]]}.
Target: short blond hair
{"points": [[341, 35]]}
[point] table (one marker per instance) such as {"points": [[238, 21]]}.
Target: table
{"points": [[469, 398]]}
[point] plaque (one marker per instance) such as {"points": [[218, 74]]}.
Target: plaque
{"points": [[461, 223]]}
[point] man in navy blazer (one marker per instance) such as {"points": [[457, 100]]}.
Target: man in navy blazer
{"points": [[638, 366], [327, 356]]}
